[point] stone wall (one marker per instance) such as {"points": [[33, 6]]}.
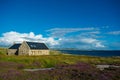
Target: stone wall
{"points": [[12, 51], [24, 49], [39, 52]]}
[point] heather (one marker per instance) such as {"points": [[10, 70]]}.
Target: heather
{"points": [[65, 67]]}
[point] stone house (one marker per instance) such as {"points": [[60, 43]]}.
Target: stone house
{"points": [[28, 48]]}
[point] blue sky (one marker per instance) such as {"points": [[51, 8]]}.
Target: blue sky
{"points": [[82, 24]]}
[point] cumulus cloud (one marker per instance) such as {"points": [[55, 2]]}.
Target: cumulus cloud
{"points": [[9, 38], [114, 32], [83, 39]]}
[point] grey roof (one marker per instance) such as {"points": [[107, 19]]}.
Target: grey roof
{"points": [[15, 46], [36, 45]]}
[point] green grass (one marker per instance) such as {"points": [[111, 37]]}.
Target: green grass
{"points": [[55, 58], [3, 51]]}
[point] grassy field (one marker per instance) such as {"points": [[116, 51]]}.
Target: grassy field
{"points": [[66, 67]]}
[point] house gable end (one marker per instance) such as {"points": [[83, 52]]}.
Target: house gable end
{"points": [[24, 49]]}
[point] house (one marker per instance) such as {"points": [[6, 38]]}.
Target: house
{"points": [[28, 48]]}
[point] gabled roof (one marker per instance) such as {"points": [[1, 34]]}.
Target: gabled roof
{"points": [[36, 45], [15, 46]]}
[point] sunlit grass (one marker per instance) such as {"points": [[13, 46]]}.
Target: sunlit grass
{"points": [[55, 58]]}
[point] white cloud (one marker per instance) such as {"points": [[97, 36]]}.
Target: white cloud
{"points": [[94, 32], [94, 42], [52, 42], [9, 38], [99, 44], [86, 38], [59, 32], [71, 29], [114, 32], [81, 40]]}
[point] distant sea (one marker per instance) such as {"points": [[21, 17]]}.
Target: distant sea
{"points": [[92, 53]]}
